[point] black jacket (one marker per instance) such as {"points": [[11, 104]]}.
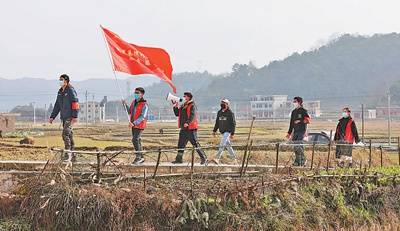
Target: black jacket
{"points": [[298, 114], [225, 122], [64, 102], [341, 130], [184, 118]]}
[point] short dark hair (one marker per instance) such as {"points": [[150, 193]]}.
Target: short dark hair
{"points": [[347, 109], [188, 94], [140, 89], [299, 99], [65, 77]]}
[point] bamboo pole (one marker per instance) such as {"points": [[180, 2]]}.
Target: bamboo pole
{"points": [[312, 156], [277, 158], [329, 151], [157, 164], [370, 154]]}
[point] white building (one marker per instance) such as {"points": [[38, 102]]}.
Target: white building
{"points": [[278, 106], [270, 106], [313, 108], [95, 112]]}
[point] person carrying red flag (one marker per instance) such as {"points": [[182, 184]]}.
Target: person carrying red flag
{"points": [[137, 121]]}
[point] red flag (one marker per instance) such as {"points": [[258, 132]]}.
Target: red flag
{"points": [[136, 60]]}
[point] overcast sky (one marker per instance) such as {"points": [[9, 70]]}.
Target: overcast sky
{"points": [[44, 38]]}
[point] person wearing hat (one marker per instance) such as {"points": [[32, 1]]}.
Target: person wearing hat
{"points": [[346, 134], [299, 119], [137, 121], [188, 124], [225, 123], [67, 104]]}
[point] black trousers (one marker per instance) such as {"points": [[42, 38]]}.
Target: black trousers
{"points": [[346, 149], [185, 136], [137, 141]]}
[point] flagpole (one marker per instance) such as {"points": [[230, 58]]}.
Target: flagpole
{"points": [[113, 70]]}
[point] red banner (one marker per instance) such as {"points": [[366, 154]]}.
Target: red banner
{"points": [[136, 60]]}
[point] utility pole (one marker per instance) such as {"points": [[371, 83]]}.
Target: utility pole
{"points": [[86, 108], [235, 109], [389, 120], [34, 113], [104, 112], [116, 108], [45, 112], [94, 110], [362, 122]]}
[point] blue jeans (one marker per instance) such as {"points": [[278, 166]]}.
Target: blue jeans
{"points": [[226, 143]]}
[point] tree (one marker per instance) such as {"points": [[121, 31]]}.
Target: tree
{"points": [[395, 92]]}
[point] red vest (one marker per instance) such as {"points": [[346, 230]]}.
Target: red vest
{"points": [[348, 134], [136, 114], [192, 125]]}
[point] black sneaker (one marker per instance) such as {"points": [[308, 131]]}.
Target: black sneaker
{"points": [[177, 162], [64, 156], [204, 162], [304, 163], [350, 164], [138, 160], [73, 158]]}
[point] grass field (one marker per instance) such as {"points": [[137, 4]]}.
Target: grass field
{"points": [[118, 136]]}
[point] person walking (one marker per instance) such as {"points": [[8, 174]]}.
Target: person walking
{"points": [[188, 124], [67, 104], [299, 119], [226, 124], [137, 122], [346, 134]]}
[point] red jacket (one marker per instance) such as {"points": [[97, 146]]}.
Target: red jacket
{"points": [[134, 115], [346, 130], [189, 117]]}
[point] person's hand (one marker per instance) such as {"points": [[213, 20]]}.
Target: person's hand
{"points": [[174, 104], [51, 120], [214, 134], [288, 136], [297, 121], [124, 102], [185, 125], [131, 125], [232, 136], [74, 120]]}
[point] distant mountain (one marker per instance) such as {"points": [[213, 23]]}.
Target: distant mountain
{"points": [[347, 71], [26, 90]]}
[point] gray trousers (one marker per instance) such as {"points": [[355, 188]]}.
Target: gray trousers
{"points": [[344, 150], [137, 141], [297, 138], [67, 134]]}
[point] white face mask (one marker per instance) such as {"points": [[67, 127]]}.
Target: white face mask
{"points": [[61, 83], [345, 114], [296, 105]]}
